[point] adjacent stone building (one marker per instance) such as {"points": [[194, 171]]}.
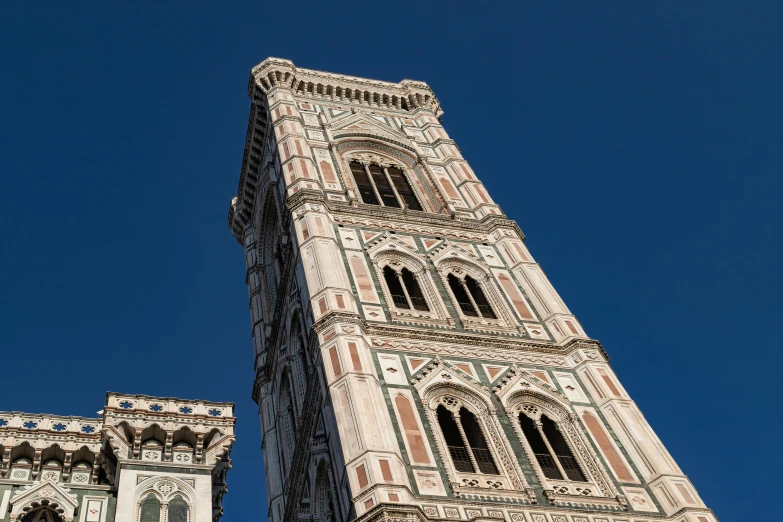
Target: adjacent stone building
{"points": [[412, 359], [147, 459]]}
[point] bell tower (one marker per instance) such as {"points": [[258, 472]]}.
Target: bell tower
{"points": [[412, 359]]}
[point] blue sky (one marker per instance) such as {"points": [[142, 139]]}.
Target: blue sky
{"points": [[638, 145]]}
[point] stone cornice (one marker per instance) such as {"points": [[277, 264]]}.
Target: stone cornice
{"points": [[427, 340], [43, 425], [407, 95], [413, 222]]}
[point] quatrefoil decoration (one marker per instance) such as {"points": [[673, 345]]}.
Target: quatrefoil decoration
{"points": [[156, 407], [214, 412], [126, 405], [88, 429], [165, 487], [30, 425], [59, 427], [186, 410]]}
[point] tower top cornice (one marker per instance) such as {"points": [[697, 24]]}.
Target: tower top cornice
{"points": [[407, 95]]}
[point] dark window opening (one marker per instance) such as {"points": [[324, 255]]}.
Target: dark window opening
{"points": [[462, 297], [363, 183], [384, 189], [178, 510], [562, 450], [463, 456], [414, 291], [478, 296], [395, 288], [150, 509], [540, 450], [457, 449], [403, 188], [477, 442]]}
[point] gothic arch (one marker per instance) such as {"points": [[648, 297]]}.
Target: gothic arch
{"points": [[164, 488], [446, 391], [286, 420], [43, 496], [323, 507], [298, 355], [269, 233], [386, 149], [539, 406], [391, 253], [459, 266], [432, 396]]}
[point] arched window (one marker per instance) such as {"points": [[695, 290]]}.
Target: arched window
{"points": [[404, 189], [178, 510], [404, 289], [470, 297], [150, 509], [385, 186], [44, 513], [323, 510], [286, 421], [299, 355], [270, 245], [550, 449], [465, 441]]}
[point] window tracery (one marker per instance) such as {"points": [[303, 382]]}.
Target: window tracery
{"points": [[470, 297], [323, 507], [474, 294], [469, 437], [168, 498], [286, 421], [404, 288], [150, 509], [555, 446], [177, 510], [406, 284], [298, 356], [550, 448], [464, 438], [46, 512], [269, 253], [383, 184]]}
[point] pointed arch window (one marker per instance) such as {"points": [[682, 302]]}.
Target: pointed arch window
{"points": [[177, 510], [470, 297], [550, 449], [323, 509], [270, 251], [385, 186], [299, 355], [45, 513], [404, 189], [286, 422], [150, 509], [465, 441], [404, 289]]}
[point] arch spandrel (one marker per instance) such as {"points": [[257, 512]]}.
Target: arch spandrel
{"points": [[519, 386], [165, 488], [440, 379]]}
